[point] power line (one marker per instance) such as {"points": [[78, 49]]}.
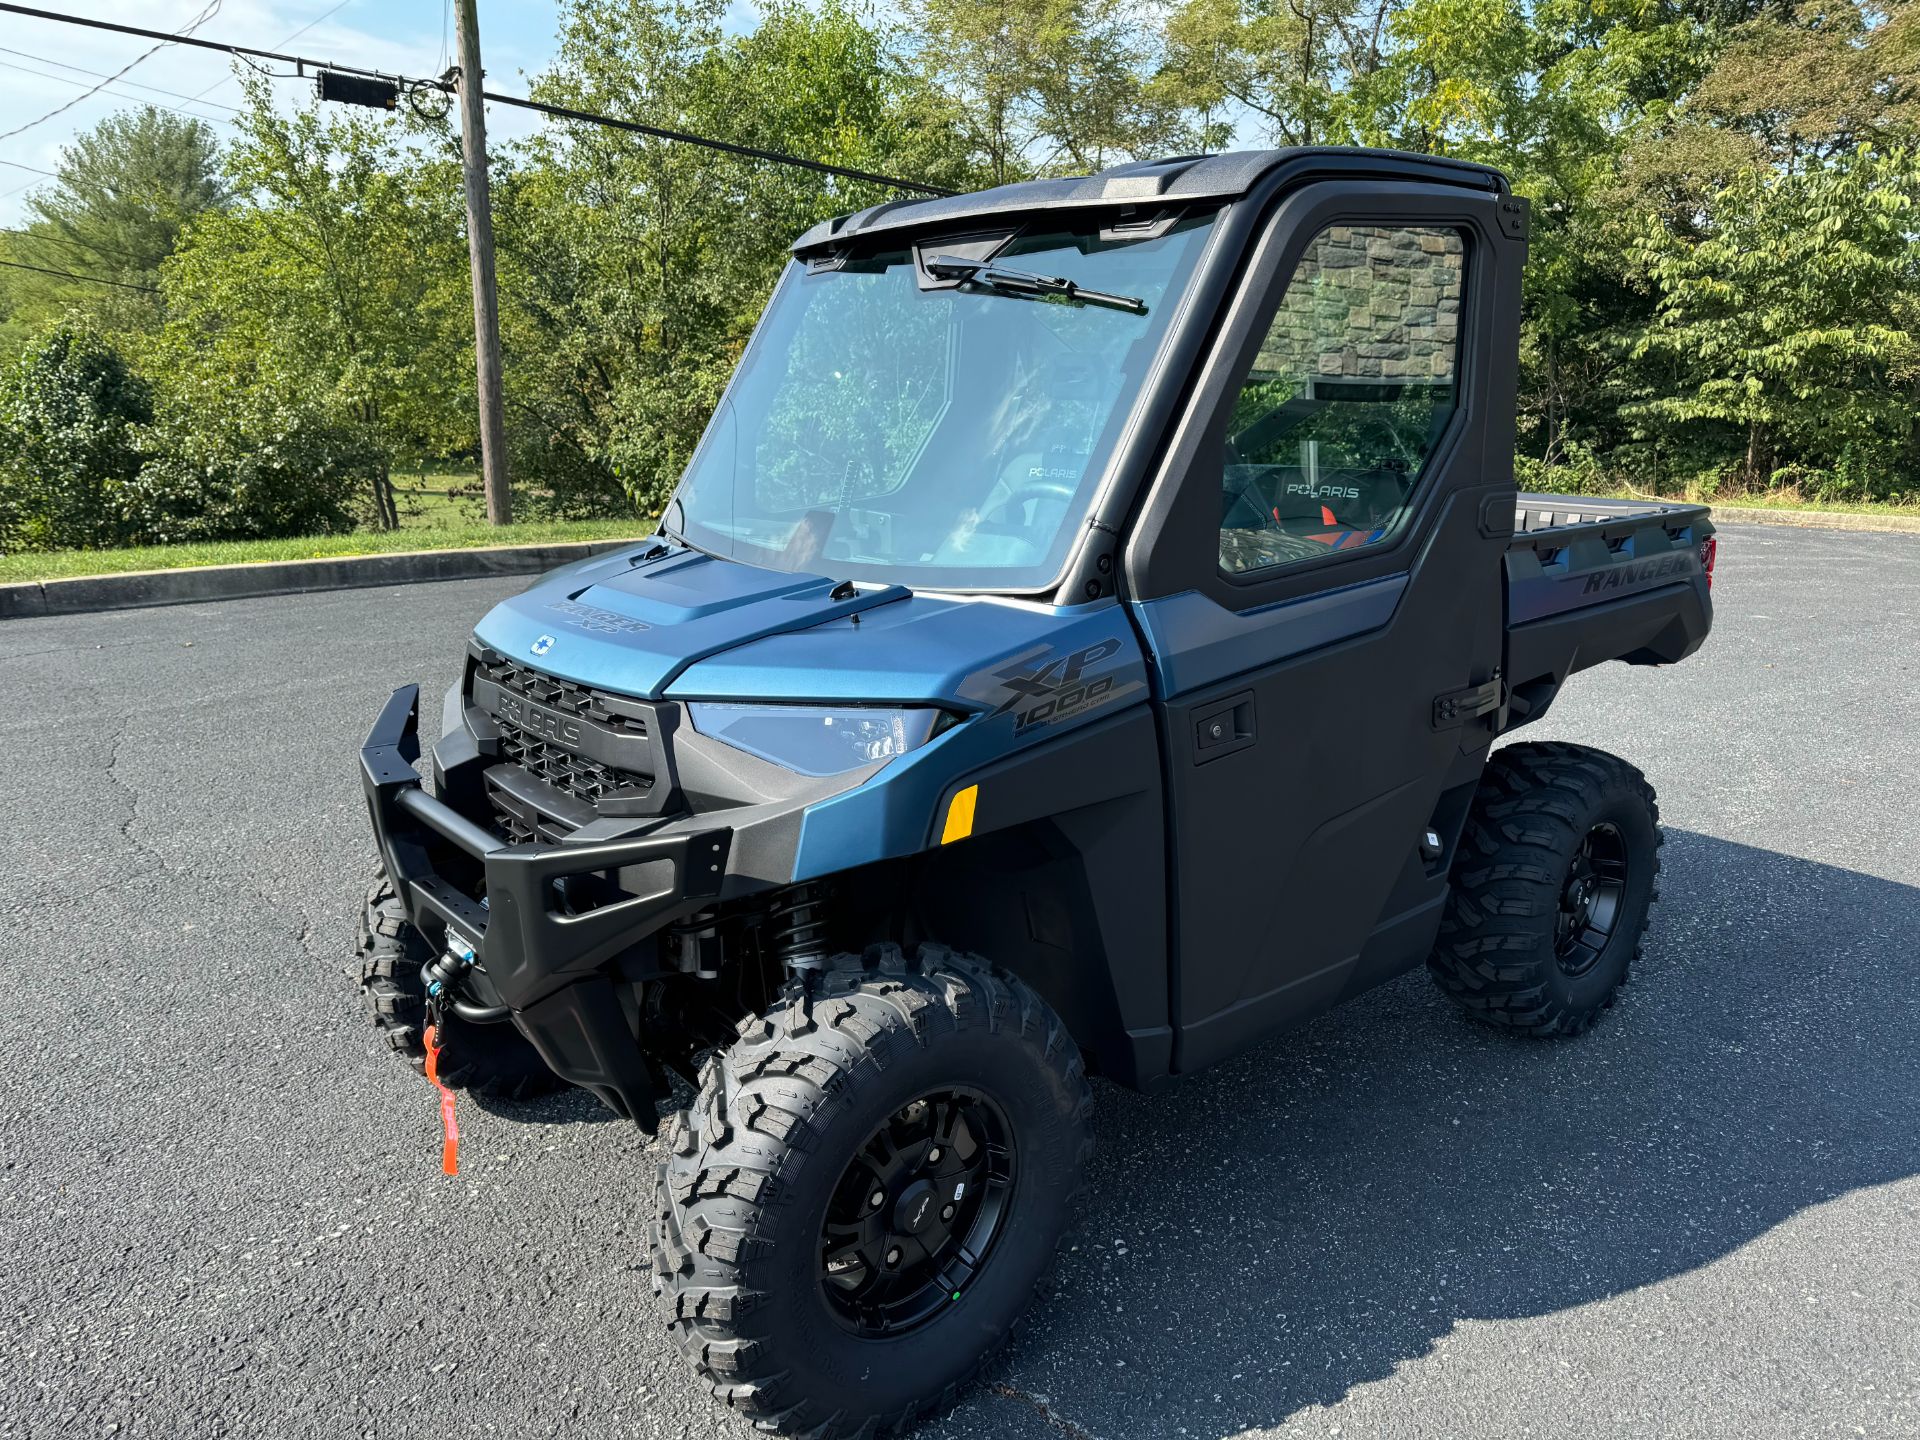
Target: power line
{"points": [[559, 112], [34, 168], [100, 250], [323, 15], [90, 279], [106, 89], [562, 112], [98, 75], [166, 39]]}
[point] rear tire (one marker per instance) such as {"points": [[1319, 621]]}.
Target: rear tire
{"points": [[1555, 876], [491, 1060], [751, 1254]]}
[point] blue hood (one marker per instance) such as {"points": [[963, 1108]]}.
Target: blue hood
{"points": [[628, 623], [693, 626]]}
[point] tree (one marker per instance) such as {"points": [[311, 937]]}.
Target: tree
{"points": [[1291, 64], [124, 192], [1047, 86], [632, 269], [1786, 337], [335, 284]]}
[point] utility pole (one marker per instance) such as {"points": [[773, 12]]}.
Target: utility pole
{"points": [[486, 303]]}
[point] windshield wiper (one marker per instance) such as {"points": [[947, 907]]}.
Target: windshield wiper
{"points": [[1025, 282]]}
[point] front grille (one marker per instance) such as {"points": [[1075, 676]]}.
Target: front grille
{"points": [[558, 694], [571, 774], [521, 820], [622, 723]]}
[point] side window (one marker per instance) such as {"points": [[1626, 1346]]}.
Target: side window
{"points": [[1353, 385]]}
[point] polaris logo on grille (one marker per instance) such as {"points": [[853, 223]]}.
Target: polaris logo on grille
{"points": [[538, 720], [542, 645]]}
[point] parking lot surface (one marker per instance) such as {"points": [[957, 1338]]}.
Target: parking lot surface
{"points": [[221, 1211]]}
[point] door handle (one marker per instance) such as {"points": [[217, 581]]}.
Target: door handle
{"points": [[1222, 727]]}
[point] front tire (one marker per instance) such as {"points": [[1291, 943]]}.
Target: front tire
{"points": [[949, 1092], [1555, 876]]}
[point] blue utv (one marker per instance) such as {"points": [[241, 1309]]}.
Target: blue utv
{"points": [[1076, 648]]}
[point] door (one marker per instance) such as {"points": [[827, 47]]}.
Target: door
{"points": [[1320, 573]]}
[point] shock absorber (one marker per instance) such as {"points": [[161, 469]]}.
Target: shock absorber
{"points": [[797, 927]]}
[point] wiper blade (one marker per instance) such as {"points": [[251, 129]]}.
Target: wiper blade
{"points": [[1025, 282]]}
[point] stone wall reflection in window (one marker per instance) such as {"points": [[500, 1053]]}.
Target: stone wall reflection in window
{"points": [[1351, 390]]}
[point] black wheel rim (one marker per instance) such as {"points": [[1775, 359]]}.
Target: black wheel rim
{"points": [[1591, 900], [914, 1218]]}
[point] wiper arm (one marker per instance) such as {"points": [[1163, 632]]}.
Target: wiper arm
{"points": [[679, 535], [1025, 282]]}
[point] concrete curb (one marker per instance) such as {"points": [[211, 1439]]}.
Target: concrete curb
{"points": [[1814, 519], [140, 588]]}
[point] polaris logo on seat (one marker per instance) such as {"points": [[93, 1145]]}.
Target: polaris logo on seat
{"points": [[1326, 492], [1674, 564]]}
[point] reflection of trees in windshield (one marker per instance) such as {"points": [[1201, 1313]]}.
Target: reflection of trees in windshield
{"points": [[942, 436], [865, 379]]}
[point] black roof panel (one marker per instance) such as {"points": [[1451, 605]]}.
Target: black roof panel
{"points": [[1183, 180]]}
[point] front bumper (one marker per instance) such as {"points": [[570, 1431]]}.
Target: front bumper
{"points": [[536, 950]]}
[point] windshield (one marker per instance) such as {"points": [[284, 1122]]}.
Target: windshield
{"points": [[945, 437]]}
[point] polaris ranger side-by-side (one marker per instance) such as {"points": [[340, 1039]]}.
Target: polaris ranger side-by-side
{"points": [[1075, 647]]}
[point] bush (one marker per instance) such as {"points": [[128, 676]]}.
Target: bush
{"points": [[262, 468], [1578, 472], [554, 479], [71, 412]]}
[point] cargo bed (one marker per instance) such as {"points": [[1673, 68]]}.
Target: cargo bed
{"points": [[1591, 580]]}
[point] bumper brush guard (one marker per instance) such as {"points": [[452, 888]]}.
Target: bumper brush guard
{"points": [[541, 958]]}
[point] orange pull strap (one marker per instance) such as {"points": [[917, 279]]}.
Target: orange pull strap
{"points": [[450, 1144]]}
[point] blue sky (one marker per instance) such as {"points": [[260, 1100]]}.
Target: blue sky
{"points": [[44, 64]]}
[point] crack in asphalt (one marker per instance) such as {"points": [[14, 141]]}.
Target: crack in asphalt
{"points": [[1039, 1405], [111, 772], [131, 794]]}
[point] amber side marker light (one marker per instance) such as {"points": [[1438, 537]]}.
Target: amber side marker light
{"points": [[960, 815]]}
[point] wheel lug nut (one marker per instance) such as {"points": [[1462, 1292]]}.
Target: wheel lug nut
{"points": [[946, 1212], [877, 1199], [933, 1156], [893, 1257]]}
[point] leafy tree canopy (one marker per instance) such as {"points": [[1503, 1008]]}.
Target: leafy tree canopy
{"points": [[124, 192]]}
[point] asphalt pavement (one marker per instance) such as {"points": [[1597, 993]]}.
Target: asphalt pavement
{"points": [[221, 1211]]}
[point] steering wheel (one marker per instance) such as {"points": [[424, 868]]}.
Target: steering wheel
{"points": [[1033, 490]]}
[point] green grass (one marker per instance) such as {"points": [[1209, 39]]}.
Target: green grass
{"points": [[1777, 500], [438, 499], [444, 531], [1832, 507]]}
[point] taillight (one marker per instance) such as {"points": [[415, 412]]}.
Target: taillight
{"points": [[1709, 550]]}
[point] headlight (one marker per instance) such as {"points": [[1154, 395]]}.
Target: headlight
{"points": [[816, 739]]}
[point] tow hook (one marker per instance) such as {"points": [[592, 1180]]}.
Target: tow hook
{"points": [[442, 977]]}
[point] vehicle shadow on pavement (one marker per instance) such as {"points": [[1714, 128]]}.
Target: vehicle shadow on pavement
{"points": [[577, 1107], [1305, 1219], [566, 1107]]}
